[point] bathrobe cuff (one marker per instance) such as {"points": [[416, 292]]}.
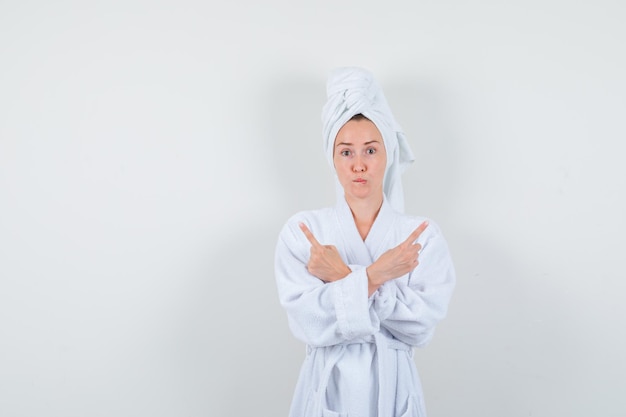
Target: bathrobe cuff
{"points": [[350, 296], [385, 300]]}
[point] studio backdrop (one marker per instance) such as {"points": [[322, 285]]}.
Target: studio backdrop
{"points": [[150, 152]]}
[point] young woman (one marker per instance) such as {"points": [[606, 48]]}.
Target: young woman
{"points": [[362, 283]]}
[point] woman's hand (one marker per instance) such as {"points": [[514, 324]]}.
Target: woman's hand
{"points": [[397, 261], [325, 262]]}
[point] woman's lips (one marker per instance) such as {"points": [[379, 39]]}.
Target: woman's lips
{"points": [[360, 181]]}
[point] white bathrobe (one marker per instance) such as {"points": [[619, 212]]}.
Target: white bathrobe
{"points": [[359, 360]]}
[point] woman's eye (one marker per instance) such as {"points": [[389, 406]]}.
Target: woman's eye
{"points": [[371, 151], [345, 153]]}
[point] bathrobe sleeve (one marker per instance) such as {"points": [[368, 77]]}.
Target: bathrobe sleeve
{"points": [[319, 313], [410, 309]]}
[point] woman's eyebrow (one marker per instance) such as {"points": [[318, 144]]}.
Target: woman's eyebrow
{"points": [[350, 144]]}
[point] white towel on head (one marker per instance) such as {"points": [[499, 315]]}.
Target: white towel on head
{"points": [[353, 90]]}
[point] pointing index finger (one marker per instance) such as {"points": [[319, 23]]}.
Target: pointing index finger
{"points": [[309, 235], [416, 233]]}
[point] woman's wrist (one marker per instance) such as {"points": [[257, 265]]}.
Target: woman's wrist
{"points": [[343, 272], [373, 279]]}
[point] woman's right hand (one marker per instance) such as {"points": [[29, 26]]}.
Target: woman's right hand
{"points": [[325, 262], [397, 261]]}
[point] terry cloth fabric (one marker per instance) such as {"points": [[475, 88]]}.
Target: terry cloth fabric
{"points": [[353, 90], [359, 355]]}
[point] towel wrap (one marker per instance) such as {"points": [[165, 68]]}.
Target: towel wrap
{"points": [[352, 91]]}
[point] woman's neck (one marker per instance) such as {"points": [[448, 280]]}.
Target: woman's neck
{"points": [[364, 213]]}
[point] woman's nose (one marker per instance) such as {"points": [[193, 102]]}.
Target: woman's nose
{"points": [[359, 166]]}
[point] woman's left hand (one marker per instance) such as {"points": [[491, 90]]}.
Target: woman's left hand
{"points": [[325, 262]]}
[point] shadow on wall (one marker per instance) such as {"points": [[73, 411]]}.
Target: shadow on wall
{"points": [[246, 360], [497, 352], [431, 184]]}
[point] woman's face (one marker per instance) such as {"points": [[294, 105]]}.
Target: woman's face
{"points": [[360, 159]]}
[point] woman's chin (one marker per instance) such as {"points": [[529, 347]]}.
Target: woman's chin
{"points": [[362, 194]]}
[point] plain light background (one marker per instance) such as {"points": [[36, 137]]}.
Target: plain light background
{"points": [[151, 151]]}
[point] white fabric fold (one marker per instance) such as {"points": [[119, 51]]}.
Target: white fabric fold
{"points": [[351, 91]]}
